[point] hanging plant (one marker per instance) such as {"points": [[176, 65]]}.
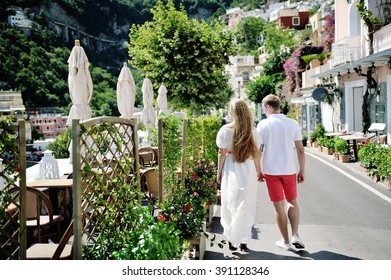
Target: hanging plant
{"points": [[370, 21]]}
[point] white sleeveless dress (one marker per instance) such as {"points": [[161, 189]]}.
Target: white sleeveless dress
{"points": [[238, 191]]}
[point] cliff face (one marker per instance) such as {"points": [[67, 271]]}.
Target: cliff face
{"points": [[102, 26], [98, 21]]}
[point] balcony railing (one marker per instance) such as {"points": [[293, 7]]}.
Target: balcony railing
{"points": [[310, 82], [242, 60], [347, 50], [382, 39]]}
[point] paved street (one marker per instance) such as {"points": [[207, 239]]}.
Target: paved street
{"points": [[344, 216]]}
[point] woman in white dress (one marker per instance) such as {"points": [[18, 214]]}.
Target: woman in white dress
{"points": [[238, 166]]}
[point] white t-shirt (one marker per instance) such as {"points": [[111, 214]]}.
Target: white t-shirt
{"points": [[278, 134]]}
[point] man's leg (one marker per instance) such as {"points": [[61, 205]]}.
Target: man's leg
{"points": [[293, 216], [282, 219]]}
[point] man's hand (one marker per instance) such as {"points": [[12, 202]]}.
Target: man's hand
{"points": [[260, 176]]}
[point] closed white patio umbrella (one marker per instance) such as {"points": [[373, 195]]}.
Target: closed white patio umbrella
{"points": [[80, 84], [148, 116], [162, 100], [126, 92]]}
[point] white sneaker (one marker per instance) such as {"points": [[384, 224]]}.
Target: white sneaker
{"points": [[297, 242], [283, 246]]}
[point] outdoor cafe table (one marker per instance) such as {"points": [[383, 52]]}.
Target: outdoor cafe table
{"points": [[353, 138], [51, 183], [330, 134], [54, 185]]}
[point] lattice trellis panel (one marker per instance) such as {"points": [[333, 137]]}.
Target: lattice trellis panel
{"points": [[13, 238], [106, 177]]}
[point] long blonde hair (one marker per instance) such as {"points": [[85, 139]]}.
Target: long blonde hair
{"points": [[243, 142]]}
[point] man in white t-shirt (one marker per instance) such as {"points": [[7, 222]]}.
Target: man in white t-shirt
{"points": [[280, 136]]}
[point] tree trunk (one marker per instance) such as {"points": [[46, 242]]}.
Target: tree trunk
{"points": [[366, 118]]}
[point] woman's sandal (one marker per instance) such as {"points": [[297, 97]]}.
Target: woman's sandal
{"points": [[231, 247]]}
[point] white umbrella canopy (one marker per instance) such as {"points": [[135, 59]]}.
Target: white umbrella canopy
{"points": [[162, 100], [148, 116], [126, 92], [80, 84]]}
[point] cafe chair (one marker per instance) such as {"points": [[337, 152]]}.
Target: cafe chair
{"points": [[150, 185], [379, 139], [39, 214], [53, 251], [368, 138], [147, 156]]}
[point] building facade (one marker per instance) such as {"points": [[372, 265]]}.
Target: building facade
{"points": [[11, 103], [358, 77], [50, 124]]}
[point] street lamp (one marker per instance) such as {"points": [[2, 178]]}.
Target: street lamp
{"points": [[372, 88], [239, 89], [358, 70], [372, 68], [339, 76]]}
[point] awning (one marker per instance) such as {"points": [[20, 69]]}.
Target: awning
{"points": [[380, 59]]}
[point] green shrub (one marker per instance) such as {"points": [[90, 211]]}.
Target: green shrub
{"points": [[341, 146], [318, 133]]}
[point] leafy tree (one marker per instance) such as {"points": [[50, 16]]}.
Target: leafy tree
{"points": [[264, 85], [248, 34], [275, 63], [188, 56], [275, 37], [104, 97], [247, 5]]}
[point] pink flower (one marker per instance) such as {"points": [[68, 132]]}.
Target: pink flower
{"points": [[190, 169], [195, 193], [206, 171]]}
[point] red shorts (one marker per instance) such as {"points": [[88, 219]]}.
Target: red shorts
{"points": [[281, 187]]}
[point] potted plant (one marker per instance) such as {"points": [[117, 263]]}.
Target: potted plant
{"points": [[342, 148], [330, 145], [313, 139], [305, 139]]}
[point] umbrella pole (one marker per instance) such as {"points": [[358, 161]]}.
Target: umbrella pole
{"points": [[160, 157]]}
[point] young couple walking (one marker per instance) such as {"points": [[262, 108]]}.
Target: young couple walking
{"points": [[265, 153]]}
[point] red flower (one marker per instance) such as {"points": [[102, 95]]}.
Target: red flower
{"points": [[17, 169], [161, 218], [194, 176], [186, 208]]}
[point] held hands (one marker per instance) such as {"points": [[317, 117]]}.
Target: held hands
{"points": [[260, 176]]}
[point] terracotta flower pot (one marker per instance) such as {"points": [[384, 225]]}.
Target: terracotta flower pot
{"points": [[344, 158]]}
